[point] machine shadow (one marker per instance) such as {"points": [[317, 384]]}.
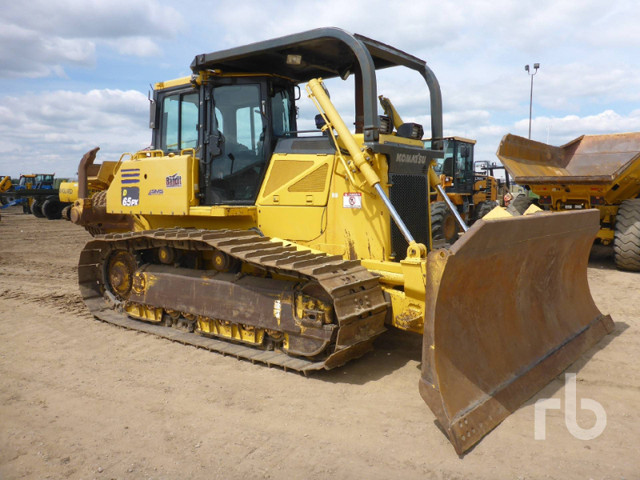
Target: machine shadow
{"points": [[392, 350]]}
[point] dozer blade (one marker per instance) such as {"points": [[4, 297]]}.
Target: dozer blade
{"points": [[508, 309]]}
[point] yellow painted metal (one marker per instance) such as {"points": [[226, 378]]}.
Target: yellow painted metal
{"points": [[592, 171], [390, 111], [149, 222], [359, 157], [220, 211], [144, 312], [232, 331], [68, 191], [326, 203], [591, 165], [100, 176], [178, 82], [297, 180], [155, 186], [606, 235], [310, 192], [202, 76], [5, 184], [485, 190]]}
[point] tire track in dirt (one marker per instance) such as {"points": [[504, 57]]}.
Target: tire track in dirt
{"points": [[70, 303]]}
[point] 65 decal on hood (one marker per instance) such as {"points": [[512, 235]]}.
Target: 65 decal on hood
{"points": [[130, 196]]}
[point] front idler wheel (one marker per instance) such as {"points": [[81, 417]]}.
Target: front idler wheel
{"points": [[120, 272]]}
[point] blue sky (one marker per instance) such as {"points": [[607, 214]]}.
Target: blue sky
{"points": [[75, 74]]}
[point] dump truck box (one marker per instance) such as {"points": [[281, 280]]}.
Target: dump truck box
{"points": [[592, 171], [609, 161]]}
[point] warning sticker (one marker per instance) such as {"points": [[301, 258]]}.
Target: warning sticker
{"points": [[352, 200]]}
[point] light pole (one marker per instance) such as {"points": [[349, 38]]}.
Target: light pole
{"points": [[536, 66]]}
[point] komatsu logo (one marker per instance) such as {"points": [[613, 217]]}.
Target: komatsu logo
{"points": [[415, 159]]}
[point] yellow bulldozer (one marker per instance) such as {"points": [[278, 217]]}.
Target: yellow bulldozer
{"points": [[244, 232]]}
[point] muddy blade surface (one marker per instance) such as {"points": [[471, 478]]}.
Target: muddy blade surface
{"points": [[508, 309]]}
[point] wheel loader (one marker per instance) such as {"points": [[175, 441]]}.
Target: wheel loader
{"points": [[245, 232], [473, 193], [591, 171]]}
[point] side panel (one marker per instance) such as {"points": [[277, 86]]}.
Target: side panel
{"points": [[297, 224], [154, 186], [358, 222], [293, 198]]}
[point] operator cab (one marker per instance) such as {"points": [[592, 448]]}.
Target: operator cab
{"points": [[44, 180], [237, 109], [457, 164], [233, 134], [26, 179]]}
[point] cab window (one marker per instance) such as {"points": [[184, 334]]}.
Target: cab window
{"points": [[179, 122], [241, 124], [281, 105]]}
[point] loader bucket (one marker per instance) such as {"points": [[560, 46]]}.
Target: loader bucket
{"points": [[508, 309]]}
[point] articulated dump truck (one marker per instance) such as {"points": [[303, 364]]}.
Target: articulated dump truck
{"points": [[246, 232], [592, 171]]}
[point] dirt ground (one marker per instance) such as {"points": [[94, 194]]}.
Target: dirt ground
{"points": [[84, 399]]}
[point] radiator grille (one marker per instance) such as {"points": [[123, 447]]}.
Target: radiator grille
{"points": [[408, 195]]}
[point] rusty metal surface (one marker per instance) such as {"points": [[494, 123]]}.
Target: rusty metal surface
{"points": [[91, 213], [358, 302], [246, 300], [589, 159], [508, 308], [83, 172]]}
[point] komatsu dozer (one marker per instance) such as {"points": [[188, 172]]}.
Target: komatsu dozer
{"points": [[296, 244]]}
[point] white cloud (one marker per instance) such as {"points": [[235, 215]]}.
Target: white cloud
{"points": [[51, 131], [39, 38], [25, 53], [136, 46], [562, 130]]}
